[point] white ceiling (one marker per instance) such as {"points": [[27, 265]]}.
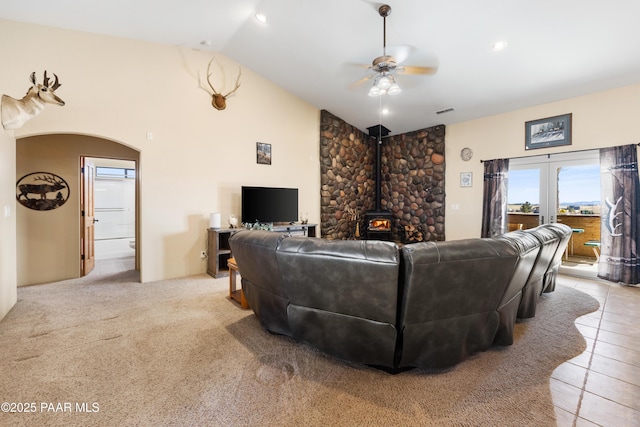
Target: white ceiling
{"points": [[556, 48]]}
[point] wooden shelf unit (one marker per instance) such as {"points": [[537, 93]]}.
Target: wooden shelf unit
{"points": [[219, 251]]}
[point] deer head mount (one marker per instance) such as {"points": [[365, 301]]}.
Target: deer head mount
{"points": [[218, 101], [15, 112]]}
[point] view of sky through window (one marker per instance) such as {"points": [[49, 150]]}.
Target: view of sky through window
{"points": [[577, 186]]}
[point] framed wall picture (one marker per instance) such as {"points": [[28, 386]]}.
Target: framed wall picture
{"points": [[466, 179], [549, 132], [263, 153]]}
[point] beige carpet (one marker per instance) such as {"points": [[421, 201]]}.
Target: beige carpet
{"points": [[179, 352]]}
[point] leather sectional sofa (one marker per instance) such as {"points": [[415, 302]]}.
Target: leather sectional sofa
{"points": [[425, 305]]}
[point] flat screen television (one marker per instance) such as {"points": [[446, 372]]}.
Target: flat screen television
{"points": [[269, 204]]}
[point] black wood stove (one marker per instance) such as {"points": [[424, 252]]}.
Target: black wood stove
{"points": [[377, 222]]}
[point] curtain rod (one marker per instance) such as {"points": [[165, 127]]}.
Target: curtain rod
{"points": [[551, 154]]}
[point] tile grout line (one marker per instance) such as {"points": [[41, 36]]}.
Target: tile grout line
{"points": [[586, 376]]}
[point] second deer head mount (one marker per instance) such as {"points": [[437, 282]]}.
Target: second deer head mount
{"points": [[218, 101]]}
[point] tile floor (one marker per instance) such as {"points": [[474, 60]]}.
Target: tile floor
{"points": [[601, 387]]}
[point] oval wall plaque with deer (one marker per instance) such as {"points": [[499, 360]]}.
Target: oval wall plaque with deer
{"points": [[42, 191]]}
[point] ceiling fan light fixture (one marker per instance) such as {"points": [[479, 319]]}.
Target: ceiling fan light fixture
{"points": [[383, 83], [394, 89]]}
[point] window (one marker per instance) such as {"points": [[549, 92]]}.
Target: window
{"points": [[107, 172]]}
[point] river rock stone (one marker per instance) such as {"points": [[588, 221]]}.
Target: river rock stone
{"points": [[412, 187]]}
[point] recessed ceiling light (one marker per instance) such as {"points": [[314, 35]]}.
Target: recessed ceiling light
{"points": [[498, 46], [385, 111], [260, 17]]}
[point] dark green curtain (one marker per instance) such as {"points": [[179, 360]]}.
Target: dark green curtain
{"points": [[494, 205], [620, 229]]}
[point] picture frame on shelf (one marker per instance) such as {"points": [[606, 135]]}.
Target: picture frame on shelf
{"points": [[263, 153], [466, 179], [548, 132]]}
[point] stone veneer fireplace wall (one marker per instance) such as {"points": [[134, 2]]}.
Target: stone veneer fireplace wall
{"points": [[412, 185]]}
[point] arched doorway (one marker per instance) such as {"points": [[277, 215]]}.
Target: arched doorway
{"points": [[49, 242]]}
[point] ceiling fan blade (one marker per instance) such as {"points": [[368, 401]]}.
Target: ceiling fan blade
{"points": [[407, 69], [362, 80], [401, 52], [353, 64]]}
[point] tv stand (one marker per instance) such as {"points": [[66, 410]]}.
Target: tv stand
{"points": [[297, 229], [219, 250]]}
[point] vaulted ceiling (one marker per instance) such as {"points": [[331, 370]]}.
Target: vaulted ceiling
{"points": [[555, 49]]}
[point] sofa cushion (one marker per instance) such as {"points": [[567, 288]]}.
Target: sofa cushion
{"points": [[528, 248], [343, 296], [549, 241], [357, 278], [564, 232], [255, 254], [452, 292]]}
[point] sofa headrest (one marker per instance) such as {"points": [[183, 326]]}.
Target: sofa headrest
{"points": [[544, 233], [466, 249], [267, 239], [562, 230], [369, 250], [522, 241]]}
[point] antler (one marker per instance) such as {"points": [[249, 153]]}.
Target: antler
{"points": [[237, 83], [45, 82], [215, 92], [218, 101], [50, 179], [209, 75]]}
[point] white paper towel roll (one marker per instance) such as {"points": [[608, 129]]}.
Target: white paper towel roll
{"points": [[214, 220]]}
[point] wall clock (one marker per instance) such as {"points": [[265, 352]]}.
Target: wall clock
{"points": [[466, 154]]}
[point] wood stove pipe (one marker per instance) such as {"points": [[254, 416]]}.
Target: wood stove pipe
{"points": [[378, 132], [378, 175]]}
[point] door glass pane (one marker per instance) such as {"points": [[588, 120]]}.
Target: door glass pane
{"points": [[579, 190], [523, 198], [578, 206]]}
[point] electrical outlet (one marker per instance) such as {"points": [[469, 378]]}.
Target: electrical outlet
{"points": [[203, 254]]}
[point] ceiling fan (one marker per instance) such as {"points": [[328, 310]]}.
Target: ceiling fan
{"points": [[384, 67]]}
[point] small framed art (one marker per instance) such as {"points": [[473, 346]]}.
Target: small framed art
{"points": [[549, 132], [466, 179], [263, 153]]}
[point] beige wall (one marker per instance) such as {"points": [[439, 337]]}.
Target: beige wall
{"points": [[198, 158], [602, 119], [8, 291]]}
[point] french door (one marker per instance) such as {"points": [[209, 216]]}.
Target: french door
{"points": [[561, 188]]}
